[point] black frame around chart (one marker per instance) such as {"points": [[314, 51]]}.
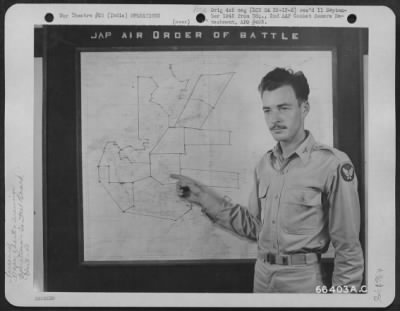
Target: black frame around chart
{"points": [[64, 266]]}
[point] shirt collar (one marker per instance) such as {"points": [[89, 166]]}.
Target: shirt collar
{"points": [[303, 151]]}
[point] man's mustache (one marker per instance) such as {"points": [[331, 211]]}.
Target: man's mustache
{"points": [[278, 127]]}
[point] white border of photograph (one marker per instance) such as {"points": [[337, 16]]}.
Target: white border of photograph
{"points": [[23, 157]]}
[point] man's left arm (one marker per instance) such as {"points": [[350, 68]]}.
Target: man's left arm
{"points": [[344, 226]]}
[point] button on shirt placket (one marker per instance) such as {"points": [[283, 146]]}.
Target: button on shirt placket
{"points": [[279, 181]]}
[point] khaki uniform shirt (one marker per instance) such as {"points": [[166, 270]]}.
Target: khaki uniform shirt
{"points": [[299, 205]]}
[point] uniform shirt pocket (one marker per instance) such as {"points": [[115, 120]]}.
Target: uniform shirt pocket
{"points": [[262, 197], [301, 211]]}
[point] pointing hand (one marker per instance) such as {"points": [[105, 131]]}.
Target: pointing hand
{"points": [[195, 192]]}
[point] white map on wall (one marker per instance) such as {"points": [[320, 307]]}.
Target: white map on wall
{"points": [[146, 115]]}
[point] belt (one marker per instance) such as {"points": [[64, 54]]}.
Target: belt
{"points": [[292, 259]]}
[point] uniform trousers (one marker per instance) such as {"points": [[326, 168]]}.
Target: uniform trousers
{"points": [[274, 278]]}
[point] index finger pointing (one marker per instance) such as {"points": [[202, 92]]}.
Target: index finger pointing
{"points": [[184, 179]]}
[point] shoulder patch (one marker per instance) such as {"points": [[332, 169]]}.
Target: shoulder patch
{"points": [[347, 171]]}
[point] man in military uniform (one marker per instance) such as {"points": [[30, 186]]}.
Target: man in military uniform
{"points": [[304, 196]]}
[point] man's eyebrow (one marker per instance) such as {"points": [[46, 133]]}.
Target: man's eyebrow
{"points": [[278, 106]]}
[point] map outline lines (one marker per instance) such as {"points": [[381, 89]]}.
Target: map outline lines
{"points": [[225, 135]]}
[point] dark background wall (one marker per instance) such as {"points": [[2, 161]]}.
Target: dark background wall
{"points": [[59, 47]]}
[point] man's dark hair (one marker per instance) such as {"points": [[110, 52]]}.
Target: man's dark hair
{"points": [[280, 77]]}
